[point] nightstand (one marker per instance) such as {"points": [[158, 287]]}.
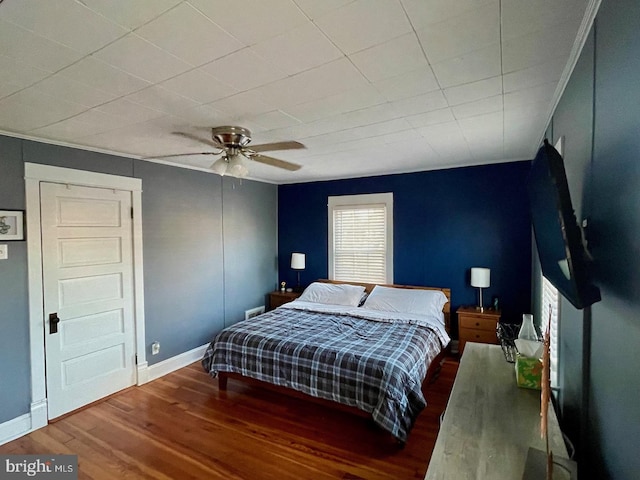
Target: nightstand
{"points": [[477, 326], [278, 298]]}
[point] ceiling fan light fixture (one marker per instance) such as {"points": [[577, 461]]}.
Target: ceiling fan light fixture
{"points": [[236, 167], [220, 166], [231, 142]]}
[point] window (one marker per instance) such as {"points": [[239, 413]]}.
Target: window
{"points": [[361, 238], [550, 300], [550, 309]]}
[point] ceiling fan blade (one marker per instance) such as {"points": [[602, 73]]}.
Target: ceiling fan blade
{"points": [[182, 155], [275, 162], [195, 138], [266, 147]]}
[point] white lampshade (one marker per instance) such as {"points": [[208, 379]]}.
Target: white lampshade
{"points": [[236, 167], [298, 261], [480, 277], [220, 166]]}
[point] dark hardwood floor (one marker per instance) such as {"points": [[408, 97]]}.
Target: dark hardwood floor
{"points": [[181, 426]]}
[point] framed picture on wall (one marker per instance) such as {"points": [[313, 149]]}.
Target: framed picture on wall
{"points": [[11, 225]]}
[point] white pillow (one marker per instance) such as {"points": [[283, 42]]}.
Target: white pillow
{"points": [[405, 300], [332, 294]]}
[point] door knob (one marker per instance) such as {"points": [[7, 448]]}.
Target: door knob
{"points": [[53, 323]]}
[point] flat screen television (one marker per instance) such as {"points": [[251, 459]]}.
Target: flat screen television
{"points": [[558, 238]]}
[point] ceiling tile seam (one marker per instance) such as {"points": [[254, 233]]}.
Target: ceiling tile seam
{"points": [[88, 107], [437, 80], [97, 108], [285, 74], [125, 26], [129, 29], [424, 53], [37, 66], [91, 55], [302, 11], [150, 84], [133, 32], [399, 116], [323, 33], [221, 27], [22, 27]]}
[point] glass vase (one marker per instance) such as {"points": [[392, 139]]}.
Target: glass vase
{"points": [[527, 329]]}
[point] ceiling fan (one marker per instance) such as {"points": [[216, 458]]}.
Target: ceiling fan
{"points": [[231, 142]]}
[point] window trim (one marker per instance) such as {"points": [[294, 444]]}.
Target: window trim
{"points": [[362, 200], [548, 290]]}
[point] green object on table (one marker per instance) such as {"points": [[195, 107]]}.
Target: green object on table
{"points": [[528, 372]]}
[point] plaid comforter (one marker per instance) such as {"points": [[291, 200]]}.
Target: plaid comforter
{"points": [[373, 365]]}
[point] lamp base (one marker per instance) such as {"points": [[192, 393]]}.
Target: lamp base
{"points": [[480, 307], [298, 288]]}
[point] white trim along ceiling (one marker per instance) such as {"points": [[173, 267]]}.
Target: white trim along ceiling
{"points": [[370, 87]]}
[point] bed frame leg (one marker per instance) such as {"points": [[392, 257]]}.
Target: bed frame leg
{"points": [[222, 381]]}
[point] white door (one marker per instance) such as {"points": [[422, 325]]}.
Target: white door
{"points": [[88, 294]]}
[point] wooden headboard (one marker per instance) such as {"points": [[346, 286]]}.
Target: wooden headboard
{"points": [[369, 286]]}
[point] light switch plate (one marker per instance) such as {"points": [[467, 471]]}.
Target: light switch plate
{"points": [[4, 252]]}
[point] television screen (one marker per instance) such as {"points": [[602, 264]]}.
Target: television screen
{"points": [[558, 237]]}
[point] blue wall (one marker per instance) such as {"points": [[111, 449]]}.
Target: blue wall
{"points": [[195, 228], [573, 120], [613, 408], [445, 222], [249, 217], [599, 363], [15, 374], [183, 257]]}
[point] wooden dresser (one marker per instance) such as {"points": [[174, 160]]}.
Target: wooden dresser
{"points": [[477, 326], [489, 423]]}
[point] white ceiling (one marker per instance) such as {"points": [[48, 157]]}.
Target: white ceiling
{"points": [[369, 86]]}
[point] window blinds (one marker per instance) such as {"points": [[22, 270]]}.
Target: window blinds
{"points": [[359, 243], [550, 297]]}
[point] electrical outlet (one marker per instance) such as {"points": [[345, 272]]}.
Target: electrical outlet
{"points": [[4, 252], [155, 348]]}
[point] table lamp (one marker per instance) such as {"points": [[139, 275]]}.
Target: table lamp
{"points": [[480, 278], [298, 263]]}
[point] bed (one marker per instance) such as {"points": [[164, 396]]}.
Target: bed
{"points": [[359, 345]]}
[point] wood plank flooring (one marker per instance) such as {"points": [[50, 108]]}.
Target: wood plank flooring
{"points": [[181, 427]]}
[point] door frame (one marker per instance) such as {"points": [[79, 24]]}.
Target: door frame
{"points": [[34, 174]]}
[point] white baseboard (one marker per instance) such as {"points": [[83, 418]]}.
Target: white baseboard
{"points": [[142, 373], [15, 428], [39, 414], [37, 417], [27, 423], [175, 363]]}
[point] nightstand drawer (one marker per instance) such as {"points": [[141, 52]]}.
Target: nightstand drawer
{"points": [[478, 336], [477, 322]]}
